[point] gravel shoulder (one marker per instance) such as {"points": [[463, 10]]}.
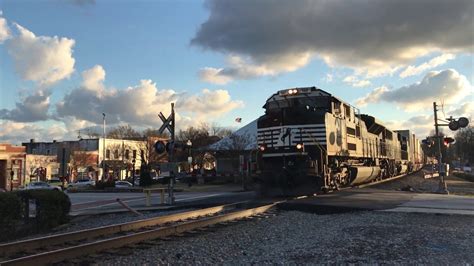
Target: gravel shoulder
{"points": [[303, 238]]}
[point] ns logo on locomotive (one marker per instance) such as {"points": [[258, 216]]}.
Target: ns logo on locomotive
{"points": [[310, 140]]}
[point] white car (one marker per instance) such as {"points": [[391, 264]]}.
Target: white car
{"points": [[123, 184], [82, 183], [467, 169], [41, 185]]}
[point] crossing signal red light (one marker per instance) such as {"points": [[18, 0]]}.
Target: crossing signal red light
{"points": [[448, 140]]}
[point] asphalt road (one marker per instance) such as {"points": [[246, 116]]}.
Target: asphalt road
{"points": [[104, 202]]}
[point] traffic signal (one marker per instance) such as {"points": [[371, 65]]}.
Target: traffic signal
{"points": [[447, 141]]}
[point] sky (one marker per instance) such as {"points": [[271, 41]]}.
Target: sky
{"points": [[65, 62]]}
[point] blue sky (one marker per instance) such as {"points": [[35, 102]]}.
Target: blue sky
{"points": [[228, 48]]}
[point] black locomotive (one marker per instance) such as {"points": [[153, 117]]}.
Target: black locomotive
{"points": [[310, 140]]}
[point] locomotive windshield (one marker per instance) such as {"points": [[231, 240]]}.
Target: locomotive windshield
{"points": [[310, 103], [295, 110]]}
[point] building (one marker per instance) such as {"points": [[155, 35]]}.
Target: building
{"points": [[12, 166], [41, 167], [85, 158]]}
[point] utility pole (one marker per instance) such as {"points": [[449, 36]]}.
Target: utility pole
{"points": [[442, 184], [171, 158], [103, 149]]}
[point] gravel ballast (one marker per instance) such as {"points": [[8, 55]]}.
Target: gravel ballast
{"points": [[303, 238]]}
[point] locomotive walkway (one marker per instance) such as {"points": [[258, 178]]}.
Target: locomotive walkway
{"points": [[384, 200]]}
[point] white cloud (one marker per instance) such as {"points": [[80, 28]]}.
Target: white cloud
{"points": [[31, 108], [16, 133], [4, 30], [356, 82], [420, 125], [372, 37], [45, 60], [239, 68], [209, 103], [437, 61], [93, 79], [139, 105], [214, 75], [463, 109], [448, 86]]}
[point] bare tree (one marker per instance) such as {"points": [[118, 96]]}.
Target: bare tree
{"points": [[221, 132], [150, 132], [238, 142], [124, 132], [198, 136], [464, 146], [90, 133]]}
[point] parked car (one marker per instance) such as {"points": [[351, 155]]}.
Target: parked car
{"points": [[123, 184], [55, 181], [467, 169], [82, 183], [137, 181], [41, 185]]}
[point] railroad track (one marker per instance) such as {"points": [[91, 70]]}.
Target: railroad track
{"points": [[61, 247]]}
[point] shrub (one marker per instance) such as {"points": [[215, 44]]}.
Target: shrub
{"points": [[103, 184], [465, 176], [52, 207], [10, 209]]}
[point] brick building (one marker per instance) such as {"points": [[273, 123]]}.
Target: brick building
{"points": [[12, 166]]}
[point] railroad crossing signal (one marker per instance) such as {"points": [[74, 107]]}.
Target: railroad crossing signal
{"points": [[167, 123], [456, 124], [447, 141], [160, 147]]}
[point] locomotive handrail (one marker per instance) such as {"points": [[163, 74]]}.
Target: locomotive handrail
{"points": [[315, 141]]}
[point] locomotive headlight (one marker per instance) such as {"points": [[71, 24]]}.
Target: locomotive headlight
{"points": [[299, 146]]}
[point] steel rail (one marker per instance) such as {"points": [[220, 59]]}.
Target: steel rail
{"points": [[8, 249], [120, 241]]}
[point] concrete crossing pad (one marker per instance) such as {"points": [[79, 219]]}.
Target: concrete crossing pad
{"points": [[384, 200]]}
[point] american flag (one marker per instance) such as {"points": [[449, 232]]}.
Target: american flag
{"points": [[238, 119]]}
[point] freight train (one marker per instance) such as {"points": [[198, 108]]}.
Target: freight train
{"points": [[309, 140]]}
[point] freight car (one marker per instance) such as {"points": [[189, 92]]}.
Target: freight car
{"points": [[310, 140]]}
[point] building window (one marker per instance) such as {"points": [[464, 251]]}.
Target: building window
{"points": [[116, 154], [134, 154], [142, 154], [107, 154], [127, 154]]}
